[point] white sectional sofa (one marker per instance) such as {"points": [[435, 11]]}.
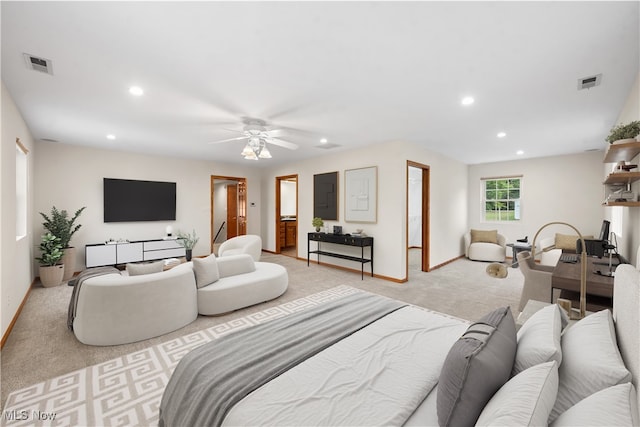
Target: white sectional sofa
{"points": [[117, 308]]}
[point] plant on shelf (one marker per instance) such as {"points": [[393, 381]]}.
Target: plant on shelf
{"points": [[188, 241], [60, 225], [628, 131], [51, 271], [317, 223]]}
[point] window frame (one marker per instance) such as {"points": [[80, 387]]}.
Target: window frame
{"points": [[517, 202]]}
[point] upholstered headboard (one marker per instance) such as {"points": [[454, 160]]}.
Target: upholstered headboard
{"points": [[626, 313]]}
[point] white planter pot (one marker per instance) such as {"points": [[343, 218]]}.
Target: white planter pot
{"points": [[51, 276]]}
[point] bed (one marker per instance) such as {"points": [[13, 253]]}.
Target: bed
{"points": [[369, 360]]}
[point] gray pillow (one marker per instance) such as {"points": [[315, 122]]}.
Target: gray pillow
{"points": [[477, 365], [145, 268], [206, 270]]}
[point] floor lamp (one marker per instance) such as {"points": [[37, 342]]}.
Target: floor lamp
{"points": [[500, 271]]}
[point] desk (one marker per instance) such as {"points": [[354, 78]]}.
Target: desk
{"points": [[566, 277], [340, 239]]}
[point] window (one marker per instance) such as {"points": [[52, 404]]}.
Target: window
{"points": [[21, 190], [501, 198]]}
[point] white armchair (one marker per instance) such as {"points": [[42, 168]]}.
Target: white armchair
{"points": [[480, 248], [248, 244]]}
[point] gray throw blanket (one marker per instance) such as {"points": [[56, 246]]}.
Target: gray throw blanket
{"points": [[209, 380], [77, 284]]}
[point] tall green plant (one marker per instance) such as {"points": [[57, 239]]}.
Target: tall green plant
{"points": [[51, 249], [60, 225]]}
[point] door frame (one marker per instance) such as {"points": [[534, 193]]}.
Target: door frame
{"points": [[426, 179], [212, 202], [279, 179]]}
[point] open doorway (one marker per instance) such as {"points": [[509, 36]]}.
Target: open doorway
{"points": [[287, 215], [228, 209], [417, 217]]}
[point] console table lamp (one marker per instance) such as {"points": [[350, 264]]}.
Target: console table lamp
{"points": [[500, 271]]}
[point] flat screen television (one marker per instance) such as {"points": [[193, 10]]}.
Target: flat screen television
{"points": [[132, 200]]}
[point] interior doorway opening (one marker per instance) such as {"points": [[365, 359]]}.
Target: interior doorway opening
{"points": [[228, 209], [417, 217], [287, 215]]}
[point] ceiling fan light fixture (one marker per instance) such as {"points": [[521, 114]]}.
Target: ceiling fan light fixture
{"points": [[247, 150], [264, 153], [251, 156]]}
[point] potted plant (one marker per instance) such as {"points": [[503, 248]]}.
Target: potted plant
{"points": [[60, 225], [188, 241], [317, 223], [624, 133], [51, 271]]}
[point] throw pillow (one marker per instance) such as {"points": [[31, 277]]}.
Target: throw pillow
{"points": [[206, 270], [487, 236], [525, 400], [477, 365], [145, 268], [613, 406], [591, 361], [539, 338]]}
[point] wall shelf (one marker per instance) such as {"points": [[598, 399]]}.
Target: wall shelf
{"points": [[627, 204], [622, 178], [622, 152]]}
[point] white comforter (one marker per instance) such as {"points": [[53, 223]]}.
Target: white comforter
{"points": [[377, 376]]}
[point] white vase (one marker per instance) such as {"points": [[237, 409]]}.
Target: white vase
{"points": [[69, 261], [51, 276]]}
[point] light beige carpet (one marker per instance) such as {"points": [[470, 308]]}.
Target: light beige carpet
{"points": [[40, 346]]}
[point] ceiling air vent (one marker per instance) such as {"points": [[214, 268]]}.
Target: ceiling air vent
{"points": [[589, 82], [38, 64], [326, 146]]}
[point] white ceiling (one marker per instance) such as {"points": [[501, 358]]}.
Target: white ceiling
{"points": [[356, 73]]}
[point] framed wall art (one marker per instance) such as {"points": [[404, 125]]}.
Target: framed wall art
{"points": [[361, 194], [325, 196]]}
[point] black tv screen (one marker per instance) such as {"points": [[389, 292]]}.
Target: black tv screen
{"points": [[131, 200]]}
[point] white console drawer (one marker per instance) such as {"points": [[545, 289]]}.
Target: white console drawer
{"points": [[164, 253], [129, 252], [98, 255], [155, 245]]}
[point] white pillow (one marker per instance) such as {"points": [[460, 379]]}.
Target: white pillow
{"points": [[145, 268], [613, 406], [591, 361], [539, 339], [206, 270], [525, 400]]}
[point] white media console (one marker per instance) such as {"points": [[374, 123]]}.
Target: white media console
{"points": [[100, 254]]}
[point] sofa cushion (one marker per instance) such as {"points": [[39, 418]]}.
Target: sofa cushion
{"points": [[484, 236], [233, 265], [206, 270], [477, 365], [591, 361], [135, 269], [539, 338]]}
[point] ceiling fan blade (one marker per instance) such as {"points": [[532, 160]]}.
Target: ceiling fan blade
{"points": [[227, 140], [281, 143]]}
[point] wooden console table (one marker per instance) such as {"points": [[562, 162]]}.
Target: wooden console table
{"points": [[340, 239]]}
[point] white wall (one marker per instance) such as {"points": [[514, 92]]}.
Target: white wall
{"points": [[560, 188], [448, 202], [16, 256], [70, 177]]}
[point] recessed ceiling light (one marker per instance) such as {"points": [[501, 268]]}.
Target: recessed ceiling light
{"points": [[323, 141], [501, 134], [519, 152], [111, 137], [136, 90], [467, 100]]}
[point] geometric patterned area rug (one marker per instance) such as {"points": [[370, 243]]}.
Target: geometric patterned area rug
{"points": [[126, 391]]}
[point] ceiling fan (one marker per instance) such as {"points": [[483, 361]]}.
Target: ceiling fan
{"points": [[258, 135]]}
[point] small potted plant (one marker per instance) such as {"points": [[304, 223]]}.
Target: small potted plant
{"points": [[60, 225], [188, 241], [624, 133], [317, 223], [51, 271]]}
